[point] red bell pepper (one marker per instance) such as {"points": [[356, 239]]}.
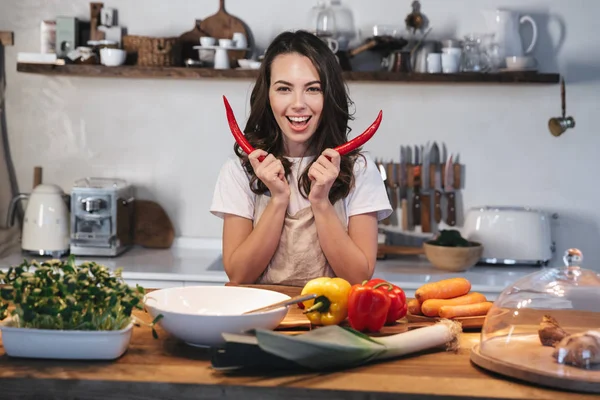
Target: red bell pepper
{"points": [[368, 306], [398, 306], [343, 149]]}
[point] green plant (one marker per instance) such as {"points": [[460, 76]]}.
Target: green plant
{"points": [[450, 238], [59, 294]]}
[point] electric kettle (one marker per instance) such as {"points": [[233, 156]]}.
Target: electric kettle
{"points": [[46, 221]]}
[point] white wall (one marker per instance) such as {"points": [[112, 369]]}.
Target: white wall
{"points": [[169, 137]]}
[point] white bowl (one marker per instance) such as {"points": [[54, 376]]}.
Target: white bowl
{"points": [[65, 344], [112, 57], [199, 315]]}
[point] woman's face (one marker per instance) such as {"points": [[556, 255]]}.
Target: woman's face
{"points": [[296, 100]]}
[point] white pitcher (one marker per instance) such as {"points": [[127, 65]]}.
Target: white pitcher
{"points": [[504, 24]]}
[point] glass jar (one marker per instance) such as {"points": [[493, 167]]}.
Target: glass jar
{"points": [[336, 20], [474, 58]]}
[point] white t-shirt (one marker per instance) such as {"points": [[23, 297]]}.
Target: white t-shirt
{"points": [[232, 193]]}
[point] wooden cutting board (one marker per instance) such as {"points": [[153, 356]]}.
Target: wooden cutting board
{"points": [[153, 228], [223, 25], [190, 39]]}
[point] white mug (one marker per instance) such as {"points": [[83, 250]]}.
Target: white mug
{"points": [[434, 63], [450, 63], [240, 40]]}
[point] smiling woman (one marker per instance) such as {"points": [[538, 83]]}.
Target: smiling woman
{"points": [[297, 206]]}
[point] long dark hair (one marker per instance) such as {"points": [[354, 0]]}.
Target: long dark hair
{"points": [[262, 130]]}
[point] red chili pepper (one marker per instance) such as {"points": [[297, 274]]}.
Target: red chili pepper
{"points": [[398, 306], [342, 149], [368, 307]]}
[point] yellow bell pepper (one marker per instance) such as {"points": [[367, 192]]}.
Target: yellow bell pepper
{"points": [[330, 307]]}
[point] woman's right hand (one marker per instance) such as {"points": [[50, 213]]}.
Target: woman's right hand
{"points": [[271, 172]]}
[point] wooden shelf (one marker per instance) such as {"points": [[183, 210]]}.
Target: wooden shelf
{"points": [[207, 73], [7, 38]]}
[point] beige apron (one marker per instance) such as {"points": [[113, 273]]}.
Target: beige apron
{"points": [[298, 257]]}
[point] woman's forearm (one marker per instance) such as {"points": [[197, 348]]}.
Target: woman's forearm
{"points": [[248, 261], [345, 257]]}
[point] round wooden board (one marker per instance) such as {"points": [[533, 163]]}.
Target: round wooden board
{"points": [[529, 361], [466, 322]]}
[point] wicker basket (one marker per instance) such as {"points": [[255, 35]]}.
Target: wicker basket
{"points": [[152, 51]]}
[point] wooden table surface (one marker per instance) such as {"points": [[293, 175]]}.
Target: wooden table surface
{"points": [[168, 369]]}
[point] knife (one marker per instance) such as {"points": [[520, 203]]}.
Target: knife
{"points": [[449, 189], [425, 191], [434, 157], [402, 174], [416, 199], [392, 184]]}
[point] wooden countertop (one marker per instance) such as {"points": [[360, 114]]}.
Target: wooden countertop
{"points": [[168, 369]]}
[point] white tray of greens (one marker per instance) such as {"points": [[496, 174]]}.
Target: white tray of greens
{"points": [[60, 310]]}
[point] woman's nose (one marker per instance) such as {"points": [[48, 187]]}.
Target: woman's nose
{"points": [[299, 101]]}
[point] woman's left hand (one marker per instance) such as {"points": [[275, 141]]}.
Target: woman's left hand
{"points": [[323, 173]]}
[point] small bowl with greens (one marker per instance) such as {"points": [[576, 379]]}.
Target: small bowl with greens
{"points": [[57, 309], [452, 252]]}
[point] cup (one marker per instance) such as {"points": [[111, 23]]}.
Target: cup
{"points": [[227, 43], [520, 62], [240, 40], [450, 63], [207, 41], [434, 63]]}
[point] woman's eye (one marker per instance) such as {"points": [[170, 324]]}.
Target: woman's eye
{"points": [[314, 89], [282, 89]]}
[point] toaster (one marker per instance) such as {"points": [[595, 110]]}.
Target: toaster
{"points": [[510, 235]]}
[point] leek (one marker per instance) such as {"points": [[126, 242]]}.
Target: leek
{"points": [[333, 346]]}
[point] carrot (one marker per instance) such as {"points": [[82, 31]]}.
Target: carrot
{"points": [[444, 289], [466, 310], [431, 307], [414, 307]]}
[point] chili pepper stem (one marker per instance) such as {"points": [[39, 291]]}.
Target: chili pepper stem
{"points": [[389, 286]]}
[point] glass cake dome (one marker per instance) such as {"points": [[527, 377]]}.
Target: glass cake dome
{"points": [[545, 328]]}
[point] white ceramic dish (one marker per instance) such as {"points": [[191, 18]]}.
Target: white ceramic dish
{"points": [[68, 345], [112, 57], [199, 315]]}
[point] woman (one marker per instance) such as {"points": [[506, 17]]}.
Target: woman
{"points": [[304, 211]]}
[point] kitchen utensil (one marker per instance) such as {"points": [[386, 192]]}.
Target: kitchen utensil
{"points": [[450, 192], [510, 235], [426, 191], [284, 303], [199, 315], [223, 25], [559, 125], [535, 311], [392, 184], [416, 199], [437, 182], [505, 26], [453, 259], [403, 186], [45, 229]]}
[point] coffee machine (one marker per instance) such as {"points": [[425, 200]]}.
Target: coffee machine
{"points": [[102, 215]]}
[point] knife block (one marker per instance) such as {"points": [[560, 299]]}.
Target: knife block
{"points": [[409, 182]]}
